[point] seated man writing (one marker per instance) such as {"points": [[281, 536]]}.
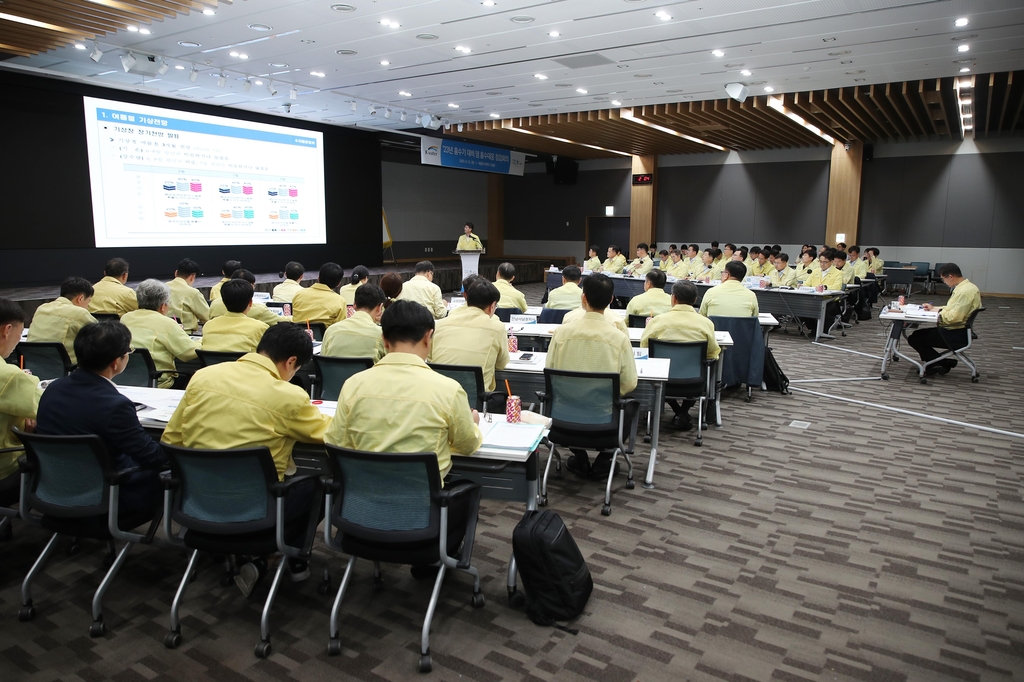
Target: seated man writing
{"points": [[781, 274], [234, 331], [153, 330], [587, 346], [964, 299], [249, 403], [358, 336], [422, 290], [510, 296]]}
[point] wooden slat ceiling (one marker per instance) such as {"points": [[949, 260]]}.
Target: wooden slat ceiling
{"points": [[888, 112], [59, 23]]}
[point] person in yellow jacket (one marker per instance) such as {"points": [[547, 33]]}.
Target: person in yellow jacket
{"points": [[153, 330], [782, 275], [678, 266], [360, 276], [827, 277], [654, 300], [187, 305], [234, 331], [294, 273], [19, 396], [358, 336], [718, 266], [846, 271], [612, 317], [320, 302], [642, 264], [593, 261], [471, 335], [567, 296], [964, 299], [762, 266], [229, 267], [807, 266], [875, 264], [730, 298], [859, 265], [110, 295], [663, 260], [469, 241], [510, 296], [422, 290], [60, 320], [615, 262], [257, 311]]}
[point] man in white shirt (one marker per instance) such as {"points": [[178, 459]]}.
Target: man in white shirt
{"points": [[422, 289]]}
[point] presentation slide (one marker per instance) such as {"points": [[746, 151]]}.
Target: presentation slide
{"points": [[162, 177]]}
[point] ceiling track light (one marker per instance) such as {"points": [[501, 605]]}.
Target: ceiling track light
{"points": [[246, 85], [293, 94], [271, 89], [355, 106], [128, 61], [222, 80], [164, 67], [460, 127], [387, 112], [193, 74], [402, 117], [372, 110], [97, 54]]}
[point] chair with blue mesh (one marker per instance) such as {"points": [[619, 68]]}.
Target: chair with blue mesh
{"points": [[505, 314], [921, 272], [46, 360], [67, 481], [587, 412], [689, 376], [637, 321], [208, 358], [231, 502], [471, 378], [899, 278], [391, 507], [140, 371], [332, 373], [551, 316]]}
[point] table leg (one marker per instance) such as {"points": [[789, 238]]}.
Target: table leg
{"points": [[659, 390], [890, 346], [531, 505], [719, 369], [821, 323]]}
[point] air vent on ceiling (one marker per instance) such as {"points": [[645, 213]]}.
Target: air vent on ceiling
{"points": [[521, 19], [340, 7], [563, 85], [584, 61], [346, 53], [964, 37], [426, 36]]}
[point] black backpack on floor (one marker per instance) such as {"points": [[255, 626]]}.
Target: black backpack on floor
{"points": [[555, 576], [774, 378]]}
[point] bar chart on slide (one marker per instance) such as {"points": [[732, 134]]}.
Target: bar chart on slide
{"points": [[162, 177]]}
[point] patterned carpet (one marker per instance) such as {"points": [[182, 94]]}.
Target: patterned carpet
{"points": [[869, 545]]}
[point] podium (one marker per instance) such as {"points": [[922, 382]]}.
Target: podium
{"points": [[470, 261]]}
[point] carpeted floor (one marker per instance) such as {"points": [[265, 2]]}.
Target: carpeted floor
{"points": [[870, 545]]}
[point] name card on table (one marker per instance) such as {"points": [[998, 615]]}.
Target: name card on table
{"points": [[456, 302], [261, 295], [640, 353], [522, 319]]}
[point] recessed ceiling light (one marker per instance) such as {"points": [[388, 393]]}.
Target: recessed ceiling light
{"points": [[279, 65], [209, 12], [854, 72], [179, 67], [488, 3], [133, 29], [495, 115], [258, 82], [745, 72], [384, 62], [389, 23], [718, 53], [961, 22], [554, 34], [339, 7], [540, 76], [965, 36], [494, 92], [769, 88], [243, 55], [346, 53], [189, 43], [403, 93], [463, 49], [963, 48], [453, 105], [657, 82], [663, 15], [307, 41], [232, 54], [859, 80], [433, 101], [318, 74], [582, 91], [734, 66], [426, 36], [262, 28], [79, 46], [616, 103], [965, 70], [828, 40], [563, 85], [468, 85], [144, 31], [521, 19]]}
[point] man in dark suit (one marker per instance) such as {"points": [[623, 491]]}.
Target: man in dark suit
{"points": [[87, 401]]}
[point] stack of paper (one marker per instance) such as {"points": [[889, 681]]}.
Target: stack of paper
{"points": [[501, 435]]}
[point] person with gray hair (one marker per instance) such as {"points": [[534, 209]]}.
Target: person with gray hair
{"points": [[162, 336]]}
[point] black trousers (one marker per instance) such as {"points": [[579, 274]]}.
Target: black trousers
{"points": [[925, 341]]}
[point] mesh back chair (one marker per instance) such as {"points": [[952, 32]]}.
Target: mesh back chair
{"points": [[688, 374], [921, 272], [505, 314], [637, 321], [334, 372], [933, 277], [471, 378], [140, 370], [68, 481], [318, 328], [230, 502], [100, 317], [47, 360], [391, 507], [587, 412], [215, 357], [744, 362], [958, 342], [551, 316], [900, 278]]}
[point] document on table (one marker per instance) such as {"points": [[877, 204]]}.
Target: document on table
{"points": [[500, 434]]}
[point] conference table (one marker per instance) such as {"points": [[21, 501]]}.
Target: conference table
{"points": [[537, 330], [507, 474], [805, 303]]}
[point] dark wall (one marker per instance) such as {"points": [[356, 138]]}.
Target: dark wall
{"points": [[47, 228], [537, 208], [962, 200], [760, 203]]}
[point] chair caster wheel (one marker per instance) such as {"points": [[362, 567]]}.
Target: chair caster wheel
{"points": [[630, 485], [478, 600], [334, 647], [26, 613], [923, 380], [74, 549], [425, 665], [698, 442], [543, 501], [263, 649], [885, 377], [195, 574], [974, 380], [647, 439], [324, 587], [895, 358], [606, 510], [172, 640], [747, 399], [378, 583], [516, 599], [97, 629]]}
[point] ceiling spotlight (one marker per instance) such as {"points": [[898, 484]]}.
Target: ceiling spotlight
{"points": [[540, 76], [389, 23], [616, 103], [663, 15], [258, 82], [271, 89], [193, 74], [163, 68], [144, 31], [402, 117], [460, 127], [554, 34], [246, 85], [745, 72], [488, 3], [97, 54], [435, 123], [133, 29], [179, 67], [372, 110], [419, 119], [495, 115], [463, 49], [961, 22], [293, 94], [718, 53], [384, 62], [965, 84], [453, 105], [222, 80], [243, 56], [318, 74], [963, 48], [128, 61], [581, 91], [965, 70], [209, 12], [232, 54], [403, 93], [387, 112], [769, 88], [79, 46]]}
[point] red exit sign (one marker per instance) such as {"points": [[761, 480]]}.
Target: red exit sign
{"points": [[643, 179]]}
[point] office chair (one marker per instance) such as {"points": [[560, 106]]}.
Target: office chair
{"points": [[69, 481], [10, 489], [332, 373], [46, 360], [319, 329], [900, 278], [933, 277], [471, 378], [922, 270], [551, 316], [505, 314], [637, 321], [140, 370], [391, 507], [231, 502], [208, 358], [953, 337], [101, 317], [689, 376], [587, 412]]}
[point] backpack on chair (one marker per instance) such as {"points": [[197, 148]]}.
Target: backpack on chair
{"points": [[555, 576]]}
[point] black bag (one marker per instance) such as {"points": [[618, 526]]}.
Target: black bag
{"points": [[774, 378], [555, 576]]}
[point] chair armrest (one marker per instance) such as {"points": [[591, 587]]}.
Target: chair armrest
{"points": [[4, 451], [542, 396], [492, 394], [25, 466], [119, 477], [332, 486], [456, 489], [168, 481], [281, 488]]}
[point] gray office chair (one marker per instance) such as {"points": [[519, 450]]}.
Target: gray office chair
{"points": [[551, 316], [922, 270], [471, 378], [140, 370], [953, 338], [208, 358], [46, 360], [900, 278], [689, 376], [332, 373], [391, 507], [637, 321], [505, 314]]}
